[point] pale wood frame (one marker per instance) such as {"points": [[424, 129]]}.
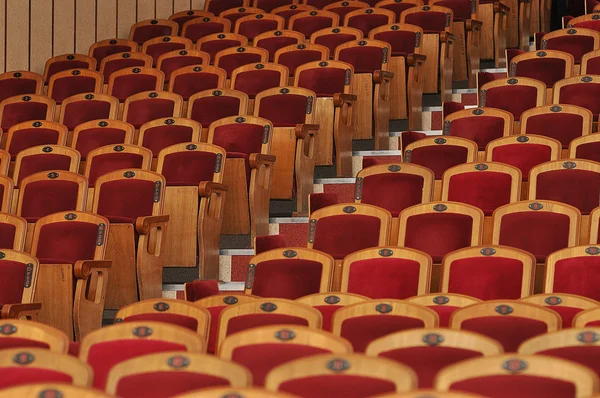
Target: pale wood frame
{"points": [[566, 300], [27, 308], [113, 103], [219, 300], [403, 377], [326, 261], [174, 121], [202, 364], [178, 307], [298, 8], [384, 3], [312, 316], [553, 258], [65, 390], [91, 61], [145, 153], [223, 21], [229, 391], [565, 32], [323, 50], [220, 92], [264, 54], [31, 98], [532, 139], [586, 58], [80, 373], [90, 276], [57, 341], [208, 201], [425, 393], [263, 17], [259, 67], [593, 79], [133, 46], [585, 380], [148, 22], [584, 139], [47, 150], [4, 160], [319, 299], [565, 338], [61, 131], [25, 75], [344, 30], [521, 81], [586, 316], [208, 69], [187, 53], [127, 128], [594, 226], [77, 73], [243, 41], [148, 95], [454, 300], [335, 18], [274, 34], [123, 73], [587, 17], [157, 41], [527, 259], [20, 229], [7, 194]]}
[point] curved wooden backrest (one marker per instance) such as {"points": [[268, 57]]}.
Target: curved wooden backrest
{"points": [[448, 299], [349, 70], [250, 19], [198, 147], [397, 6], [56, 339], [590, 316], [7, 194], [507, 118], [68, 61], [557, 301], [386, 50], [167, 40], [182, 17], [80, 131], [561, 339], [368, 13], [514, 82], [58, 389], [155, 95], [60, 129], [75, 74], [20, 227], [257, 68], [170, 26], [18, 77], [264, 54], [107, 47], [4, 160], [529, 139], [188, 56], [574, 80], [592, 55], [29, 288], [171, 121], [196, 69], [72, 154], [543, 55], [471, 146], [297, 18], [189, 25], [222, 92], [432, 9], [235, 120], [20, 101]]}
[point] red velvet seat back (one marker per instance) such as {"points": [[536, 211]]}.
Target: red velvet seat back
{"points": [[21, 112], [578, 275], [30, 137], [105, 355], [428, 361], [241, 138], [72, 85], [18, 342], [393, 278], [362, 330], [80, 112], [486, 191], [332, 40], [67, 242], [128, 85], [342, 11], [327, 313], [158, 49], [503, 97], [196, 31], [46, 197], [364, 59], [340, 235], [270, 5], [319, 4], [480, 129], [208, 109], [121, 63], [144, 111], [171, 64], [160, 137], [566, 314], [593, 25], [402, 42], [184, 321], [437, 234], [460, 8], [272, 44], [284, 110], [189, 168], [487, 278], [60, 66], [325, 82], [253, 82], [429, 21], [589, 151], [212, 47], [189, 84], [152, 384], [261, 358], [7, 234], [397, 9], [147, 32], [252, 28], [97, 137], [583, 95], [248, 321], [16, 86], [288, 279], [337, 385], [578, 188], [439, 158], [12, 278], [218, 6], [523, 157], [547, 70], [563, 127], [516, 386], [444, 313], [126, 200], [232, 61], [593, 66], [294, 59], [102, 52], [105, 163], [309, 25], [20, 376], [510, 331], [540, 232], [392, 191], [577, 45], [367, 22], [234, 17], [43, 162], [586, 355]]}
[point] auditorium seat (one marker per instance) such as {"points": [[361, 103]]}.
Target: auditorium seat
{"points": [[480, 125], [19, 280], [232, 58], [83, 108], [149, 29], [191, 80], [208, 106], [233, 14], [165, 44], [444, 304], [200, 27], [65, 62], [18, 109], [159, 133], [253, 78], [566, 305], [26, 334], [328, 303], [576, 42], [252, 25], [107, 47], [128, 82], [94, 134], [308, 22], [333, 37], [71, 82], [146, 106], [45, 158], [212, 44], [289, 10], [295, 55], [109, 158], [590, 64], [174, 60], [342, 8], [182, 17], [29, 134], [368, 19], [585, 148], [20, 83], [115, 62], [580, 91], [12, 231]]}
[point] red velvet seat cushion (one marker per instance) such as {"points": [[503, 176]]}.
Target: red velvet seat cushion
{"points": [[437, 234], [189, 84], [439, 158], [241, 138], [586, 355], [30, 137], [80, 112], [20, 376], [144, 111], [21, 112], [327, 312], [253, 82], [428, 361], [393, 191], [429, 21], [402, 42], [253, 28], [46, 197], [486, 191], [337, 385], [444, 312], [289, 279], [309, 25], [185, 321], [486, 278], [121, 63], [341, 235], [582, 94], [72, 85], [408, 137], [578, 188], [128, 85], [481, 129], [540, 232], [566, 314], [159, 137], [43, 162], [510, 331], [360, 331], [293, 59], [102, 357], [93, 138], [547, 70], [503, 97], [196, 31], [397, 9], [284, 110], [577, 45], [589, 151], [523, 157], [16, 86], [12, 278], [67, 240], [189, 168], [564, 127], [18, 342], [333, 40], [148, 32], [7, 236], [218, 6], [198, 289], [232, 61], [208, 109], [325, 82], [152, 384], [508, 386], [578, 275], [103, 164], [243, 322], [126, 198], [261, 358], [363, 59], [375, 278]]}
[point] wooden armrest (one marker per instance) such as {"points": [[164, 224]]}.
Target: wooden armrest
{"points": [[16, 311], [473, 24], [446, 37], [143, 225], [206, 188], [500, 7], [382, 75], [340, 99], [83, 268], [258, 159], [302, 130], [413, 59]]}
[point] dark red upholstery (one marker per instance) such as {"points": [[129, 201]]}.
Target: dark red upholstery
{"points": [[524, 157], [529, 231], [284, 110], [105, 355], [21, 112], [364, 59], [460, 8], [30, 137], [480, 129], [72, 85], [589, 151], [261, 358], [333, 40], [449, 107], [327, 312], [218, 6], [394, 278], [121, 63], [319, 4], [429, 21], [20, 376], [196, 31], [503, 98], [252, 28], [269, 242], [232, 61], [144, 111], [564, 127], [189, 168], [159, 137], [241, 138], [197, 290], [578, 275], [59, 66], [272, 44], [128, 199], [171, 64], [486, 278], [253, 82], [320, 200], [212, 47], [593, 66], [397, 8], [337, 385], [510, 331], [243, 322], [444, 312], [104, 51], [103, 164], [294, 59], [16, 86], [128, 85], [97, 137], [579, 188], [11, 282], [325, 82], [362, 330], [7, 235], [19, 342], [547, 70], [46, 197], [484, 190], [309, 25], [566, 314], [408, 137], [341, 235], [367, 22], [43, 162], [152, 384], [576, 45], [582, 94], [189, 84], [392, 191], [208, 109], [67, 241], [342, 11], [270, 5], [586, 355], [437, 234], [288, 279], [428, 361], [174, 319], [148, 32], [158, 49], [80, 112], [402, 42], [439, 158], [507, 386]]}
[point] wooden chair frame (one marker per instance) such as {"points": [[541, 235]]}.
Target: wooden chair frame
{"points": [[284, 76], [164, 363], [243, 40], [208, 69], [506, 117], [168, 306], [112, 101], [276, 34], [46, 149], [335, 18], [449, 299], [571, 31], [584, 379], [333, 298], [26, 309], [224, 92], [25, 75], [264, 54], [137, 269], [297, 8], [32, 98], [145, 153], [225, 299], [187, 43], [223, 21], [324, 51], [154, 95], [133, 47], [4, 161], [594, 226], [166, 22], [82, 286], [584, 139], [527, 259], [354, 5], [565, 338], [75, 73], [8, 191], [208, 201], [80, 130], [358, 34], [341, 110], [587, 58], [562, 299], [588, 79], [56, 340], [263, 17], [384, 3], [160, 77], [423, 259], [20, 226], [585, 317], [170, 121], [187, 53], [369, 11], [65, 390], [324, 259], [587, 17], [240, 10], [61, 131], [403, 378], [570, 252], [92, 63], [188, 15]]}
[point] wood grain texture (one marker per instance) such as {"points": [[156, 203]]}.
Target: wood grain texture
{"points": [[64, 27]]}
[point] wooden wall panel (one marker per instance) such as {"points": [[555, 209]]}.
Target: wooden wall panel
{"points": [[64, 27], [85, 25], [2, 36], [198, 4], [164, 9], [40, 49], [127, 14], [106, 19], [181, 5], [145, 10], [17, 35]]}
